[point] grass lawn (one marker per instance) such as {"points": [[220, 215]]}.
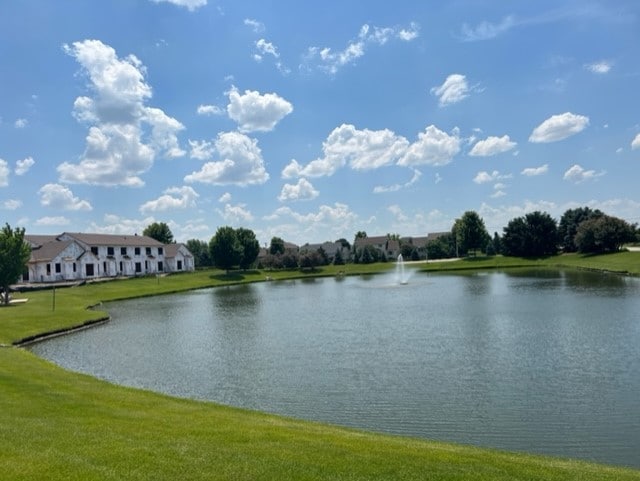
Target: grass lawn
{"points": [[55, 424]]}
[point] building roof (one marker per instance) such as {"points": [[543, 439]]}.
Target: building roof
{"points": [[49, 250], [114, 240], [38, 240], [171, 250]]}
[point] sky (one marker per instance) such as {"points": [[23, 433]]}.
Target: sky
{"points": [[311, 121]]}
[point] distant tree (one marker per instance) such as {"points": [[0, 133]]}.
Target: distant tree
{"points": [[249, 245], [277, 246], [338, 259], [289, 260], [224, 248], [497, 244], [470, 233], [159, 231], [443, 247], [323, 258], [407, 250], [359, 235], [393, 236], [368, 255], [569, 223], [532, 235], [344, 243], [310, 260], [603, 234], [14, 255], [200, 251]]}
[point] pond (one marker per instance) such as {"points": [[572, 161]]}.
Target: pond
{"points": [[542, 361]]}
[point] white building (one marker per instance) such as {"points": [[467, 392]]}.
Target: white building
{"points": [[77, 256]]}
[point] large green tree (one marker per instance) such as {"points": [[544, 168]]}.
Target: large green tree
{"points": [[200, 251], [224, 248], [159, 231], [277, 246], [569, 223], [533, 235], [249, 245], [14, 255], [470, 233], [603, 234]]}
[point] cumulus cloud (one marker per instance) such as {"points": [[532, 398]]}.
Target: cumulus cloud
{"points": [[303, 190], [23, 166], [240, 162], [255, 112], [396, 187], [484, 177], [172, 198], [190, 5], [601, 67], [492, 146], [60, 197], [267, 48], [114, 224], [235, 214], [433, 147], [635, 143], [11, 204], [331, 61], [21, 123], [201, 149], [255, 25], [454, 89], [487, 30], [578, 174], [209, 110], [226, 197], [125, 135], [559, 127], [533, 171], [4, 173], [53, 221]]}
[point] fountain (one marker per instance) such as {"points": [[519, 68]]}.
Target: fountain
{"points": [[400, 274]]}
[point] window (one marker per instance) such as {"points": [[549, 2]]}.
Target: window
{"points": [[74, 267], [120, 267], [110, 251], [89, 270], [146, 265], [94, 250], [179, 265], [137, 251], [160, 266], [58, 268], [123, 251], [138, 266], [148, 250], [104, 267], [48, 269], [160, 251]]}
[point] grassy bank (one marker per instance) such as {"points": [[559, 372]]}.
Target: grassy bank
{"points": [[60, 425]]}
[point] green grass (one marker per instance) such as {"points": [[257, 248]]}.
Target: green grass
{"points": [[58, 425], [55, 424]]}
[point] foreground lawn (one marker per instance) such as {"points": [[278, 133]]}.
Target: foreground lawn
{"points": [[58, 425], [55, 424]]}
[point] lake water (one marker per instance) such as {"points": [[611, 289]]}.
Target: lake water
{"points": [[538, 361]]}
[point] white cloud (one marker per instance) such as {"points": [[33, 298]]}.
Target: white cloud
{"points": [[454, 89], [484, 177], [255, 25], [256, 112], [359, 149], [559, 127], [577, 174], [303, 190], [125, 135], [601, 67], [331, 62], [486, 30], [241, 162], [209, 110], [396, 187], [224, 198], [190, 5], [53, 221], [60, 197], [21, 123], [492, 146], [235, 214], [533, 171], [433, 147], [172, 198], [201, 149], [635, 143], [114, 224], [498, 193], [267, 48], [23, 166], [4, 173], [11, 204]]}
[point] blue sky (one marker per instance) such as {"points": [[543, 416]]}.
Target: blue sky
{"points": [[314, 120]]}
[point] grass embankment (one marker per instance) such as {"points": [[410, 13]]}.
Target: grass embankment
{"points": [[55, 424]]}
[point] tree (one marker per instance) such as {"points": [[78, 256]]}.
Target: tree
{"points": [[532, 235], [338, 259], [569, 223], [249, 245], [224, 248], [470, 232], [159, 231], [359, 235], [277, 246], [200, 251], [14, 255], [603, 234], [442, 247]]}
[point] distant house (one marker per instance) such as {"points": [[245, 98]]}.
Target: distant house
{"points": [[389, 247], [330, 248], [78, 256]]}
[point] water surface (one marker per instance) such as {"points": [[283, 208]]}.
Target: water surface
{"points": [[537, 361]]}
